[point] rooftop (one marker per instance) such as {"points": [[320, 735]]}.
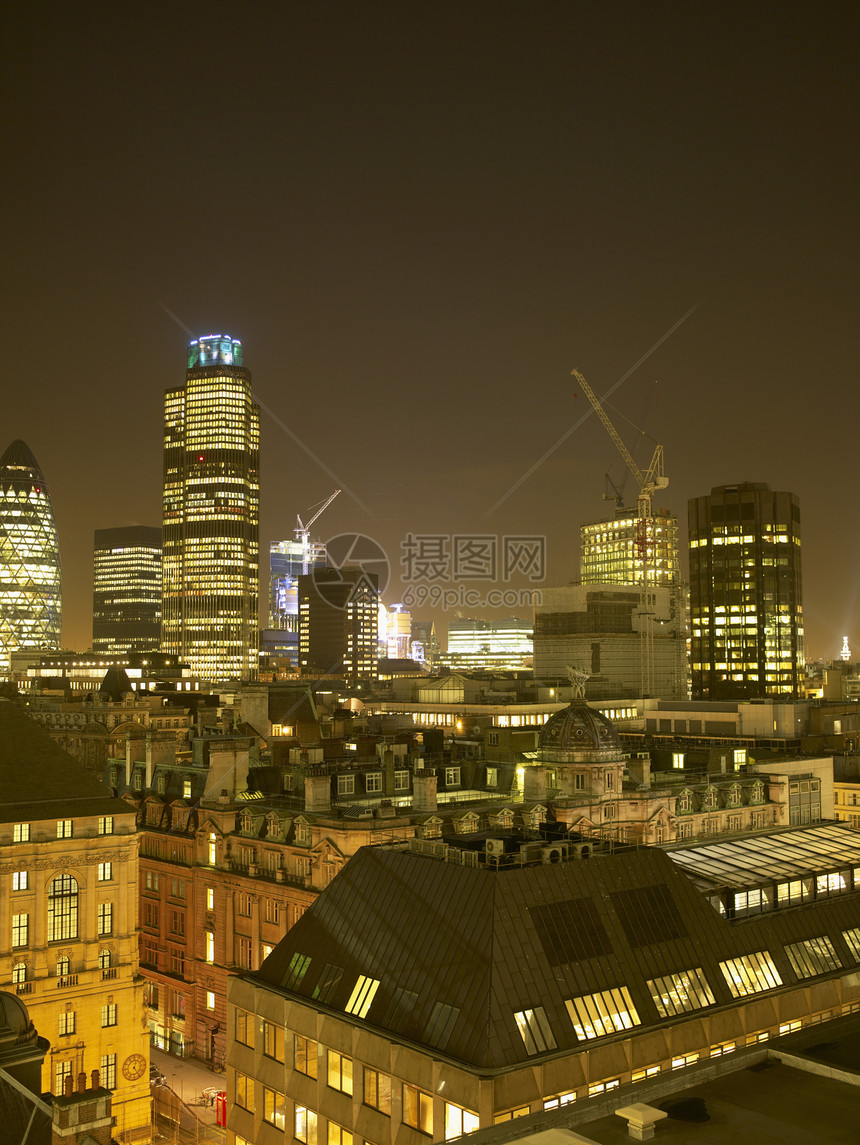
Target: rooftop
{"points": [[486, 964]]}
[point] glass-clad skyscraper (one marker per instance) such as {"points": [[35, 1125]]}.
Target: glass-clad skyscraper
{"points": [[746, 611], [210, 561], [30, 580], [127, 590]]}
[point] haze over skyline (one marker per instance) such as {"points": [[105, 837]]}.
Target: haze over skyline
{"points": [[418, 220]]}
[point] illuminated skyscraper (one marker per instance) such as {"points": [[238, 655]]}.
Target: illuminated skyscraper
{"points": [[127, 590], [746, 614], [211, 514], [30, 581]]}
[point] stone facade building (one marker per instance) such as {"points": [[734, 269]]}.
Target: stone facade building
{"points": [[68, 919]]}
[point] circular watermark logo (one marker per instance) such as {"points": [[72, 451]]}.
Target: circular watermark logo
{"points": [[356, 569]]}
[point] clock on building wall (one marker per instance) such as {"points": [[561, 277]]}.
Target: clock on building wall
{"points": [[133, 1067]]}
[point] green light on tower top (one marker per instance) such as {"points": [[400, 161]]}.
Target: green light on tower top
{"points": [[215, 350]]}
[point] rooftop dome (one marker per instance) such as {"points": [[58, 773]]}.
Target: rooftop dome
{"points": [[578, 734], [13, 1014]]}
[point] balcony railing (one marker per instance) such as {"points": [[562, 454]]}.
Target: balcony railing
{"points": [[108, 972], [24, 988], [66, 981]]}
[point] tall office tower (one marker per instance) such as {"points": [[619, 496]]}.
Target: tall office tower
{"points": [[614, 551], [30, 581], [127, 590], [339, 623], [210, 567], [746, 614], [286, 565]]}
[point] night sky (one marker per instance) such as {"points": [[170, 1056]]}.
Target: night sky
{"points": [[418, 218]]}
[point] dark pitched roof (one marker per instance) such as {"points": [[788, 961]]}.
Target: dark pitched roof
{"points": [[115, 684], [292, 706], [38, 780], [459, 950]]}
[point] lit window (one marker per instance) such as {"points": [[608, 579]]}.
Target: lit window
{"points": [[210, 946], [362, 995], [244, 1028], [642, 1074], [245, 1092], [339, 1072], [274, 1107], [681, 992], [418, 1109], [535, 1030], [19, 973], [305, 1055], [106, 824], [813, 956], [62, 1070], [595, 1015], [108, 1071], [109, 1015], [68, 1023], [459, 1121], [377, 1090], [557, 1101], [105, 916], [834, 883], [750, 974], [210, 1000], [64, 828], [105, 872], [687, 1059], [210, 898], [305, 1128], [20, 880], [63, 909], [21, 833], [273, 1041], [337, 1135]]}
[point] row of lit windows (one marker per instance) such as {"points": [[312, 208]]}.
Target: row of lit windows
{"points": [[417, 1104], [612, 1011]]}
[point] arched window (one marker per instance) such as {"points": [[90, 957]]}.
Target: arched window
{"points": [[19, 972], [104, 959], [62, 909], [63, 967]]}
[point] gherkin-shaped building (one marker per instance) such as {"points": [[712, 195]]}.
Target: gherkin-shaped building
{"points": [[30, 581]]}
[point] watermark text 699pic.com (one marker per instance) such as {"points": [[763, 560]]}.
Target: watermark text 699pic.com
{"points": [[442, 569]]}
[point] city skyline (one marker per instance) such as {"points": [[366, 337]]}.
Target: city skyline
{"points": [[420, 252]]}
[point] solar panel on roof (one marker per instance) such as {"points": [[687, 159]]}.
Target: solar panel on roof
{"points": [[648, 915], [570, 931]]}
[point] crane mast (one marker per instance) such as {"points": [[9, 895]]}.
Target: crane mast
{"points": [[649, 482], [303, 531]]}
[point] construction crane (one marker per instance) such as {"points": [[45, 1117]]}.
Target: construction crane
{"points": [[649, 482], [303, 530]]}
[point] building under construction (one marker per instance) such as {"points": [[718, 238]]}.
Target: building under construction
{"points": [[623, 621]]}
